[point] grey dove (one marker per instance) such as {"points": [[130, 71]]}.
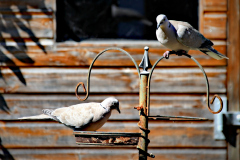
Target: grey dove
{"points": [[181, 37], [81, 117]]}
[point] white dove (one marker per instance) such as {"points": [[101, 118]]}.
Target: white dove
{"points": [[81, 117], [181, 37]]}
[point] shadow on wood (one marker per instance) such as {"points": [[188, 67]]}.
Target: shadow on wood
{"points": [[6, 154]]}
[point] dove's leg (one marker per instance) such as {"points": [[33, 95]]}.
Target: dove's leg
{"points": [[166, 54], [180, 52]]}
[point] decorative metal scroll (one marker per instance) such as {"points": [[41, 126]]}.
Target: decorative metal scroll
{"points": [[149, 79], [90, 69], [206, 80]]}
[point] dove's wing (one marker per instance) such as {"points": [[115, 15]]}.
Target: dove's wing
{"points": [[189, 36], [192, 38], [77, 116]]}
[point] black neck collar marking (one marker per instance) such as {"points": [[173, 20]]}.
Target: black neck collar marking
{"points": [[103, 106]]}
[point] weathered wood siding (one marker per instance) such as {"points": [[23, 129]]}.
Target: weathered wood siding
{"points": [[37, 73]]}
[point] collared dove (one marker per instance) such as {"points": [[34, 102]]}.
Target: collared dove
{"points": [[181, 36], [81, 117]]}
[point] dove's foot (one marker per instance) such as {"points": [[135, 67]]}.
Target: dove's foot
{"points": [[166, 54], [180, 53]]}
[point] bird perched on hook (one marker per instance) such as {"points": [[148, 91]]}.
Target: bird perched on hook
{"points": [[81, 117], [181, 37]]}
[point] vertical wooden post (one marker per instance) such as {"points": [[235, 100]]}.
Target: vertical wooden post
{"points": [[233, 68]]}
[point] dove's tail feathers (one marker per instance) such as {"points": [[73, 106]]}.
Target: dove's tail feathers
{"points": [[213, 53], [47, 111], [38, 117]]}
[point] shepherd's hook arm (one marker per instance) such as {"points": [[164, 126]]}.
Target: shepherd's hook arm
{"points": [[90, 69], [206, 80]]}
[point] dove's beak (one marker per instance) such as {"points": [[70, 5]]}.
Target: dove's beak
{"points": [[118, 110], [116, 106], [158, 25]]}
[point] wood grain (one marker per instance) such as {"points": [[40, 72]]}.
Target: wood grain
{"points": [[215, 5], [51, 134], [26, 25], [173, 105], [177, 87], [214, 25], [234, 69], [27, 5], [116, 154], [124, 80], [81, 55]]}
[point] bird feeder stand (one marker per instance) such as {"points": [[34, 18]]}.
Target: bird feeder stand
{"points": [[140, 139]]}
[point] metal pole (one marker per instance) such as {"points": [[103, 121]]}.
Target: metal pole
{"points": [[143, 123]]}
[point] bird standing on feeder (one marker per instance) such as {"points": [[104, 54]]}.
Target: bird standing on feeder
{"points": [[81, 117], [181, 37]]}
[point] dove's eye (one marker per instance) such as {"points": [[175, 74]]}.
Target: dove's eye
{"points": [[162, 21]]}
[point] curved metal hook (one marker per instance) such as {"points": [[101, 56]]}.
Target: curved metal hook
{"points": [[149, 80], [90, 69], [206, 79], [207, 85], [84, 89]]}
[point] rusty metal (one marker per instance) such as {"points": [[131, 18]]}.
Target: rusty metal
{"points": [[221, 104], [84, 90], [205, 76], [147, 154], [143, 120], [142, 128], [138, 108], [106, 138], [90, 69]]}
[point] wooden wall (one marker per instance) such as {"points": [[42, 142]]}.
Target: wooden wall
{"points": [[37, 73]]}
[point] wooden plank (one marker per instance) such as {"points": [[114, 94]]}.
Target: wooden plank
{"points": [[27, 5], [82, 55], [26, 25], [234, 69], [234, 56], [51, 134], [122, 80], [172, 105], [214, 5], [116, 154], [201, 14], [214, 25]]}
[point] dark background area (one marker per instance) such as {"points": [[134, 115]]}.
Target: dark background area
{"points": [[80, 19]]}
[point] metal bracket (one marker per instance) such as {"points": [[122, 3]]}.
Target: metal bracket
{"points": [[226, 124], [232, 119], [231, 124], [218, 120]]}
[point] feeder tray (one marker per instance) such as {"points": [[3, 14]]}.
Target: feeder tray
{"points": [[106, 138], [177, 118]]}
